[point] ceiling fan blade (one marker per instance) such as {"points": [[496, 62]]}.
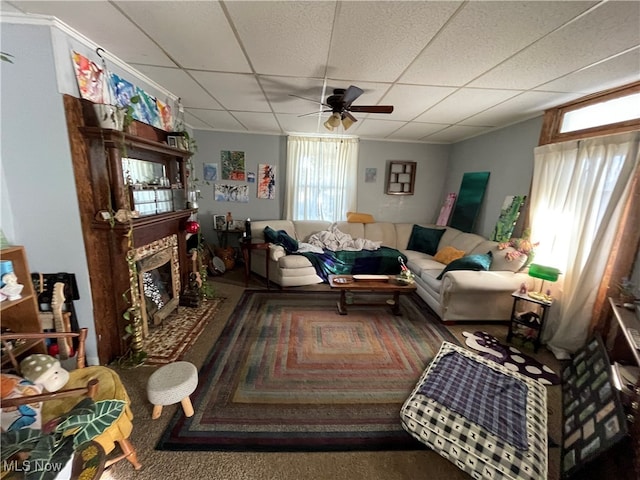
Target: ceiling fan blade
{"points": [[372, 108], [351, 94], [349, 116], [309, 100], [313, 113]]}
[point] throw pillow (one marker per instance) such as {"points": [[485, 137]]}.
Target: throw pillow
{"points": [[282, 238], [425, 239], [355, 217], [475, 262], [15, 418], [448, 254]]}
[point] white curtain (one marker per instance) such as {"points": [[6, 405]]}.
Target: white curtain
{"points": [[578, 192], [321, 177]]}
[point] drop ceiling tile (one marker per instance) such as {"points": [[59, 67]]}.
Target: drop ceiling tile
{"points": [[526, 105], [258, 122], [377, 41], [378, 129], [284, 38], [180, 84], [197, 36], [484, 34], [611, 73], [609, 29], [464, 103], [195, 122], [455, 133], [294, 124], [8, 8], [279, 89], [410, 101], [416, 131], [233, 91], [105, 26], [216, 119]]}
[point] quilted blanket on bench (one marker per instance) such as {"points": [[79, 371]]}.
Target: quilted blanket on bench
{"points": [[383, 261]]}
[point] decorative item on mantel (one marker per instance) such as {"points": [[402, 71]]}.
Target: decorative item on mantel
{"points": [[12, 288]]}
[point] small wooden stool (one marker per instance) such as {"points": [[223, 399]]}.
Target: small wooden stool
{"points": [[171, 384]]}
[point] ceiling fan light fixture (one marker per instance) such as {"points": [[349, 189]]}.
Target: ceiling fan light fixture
{"points": [[334, 120], [347, 122], [328, 125]]}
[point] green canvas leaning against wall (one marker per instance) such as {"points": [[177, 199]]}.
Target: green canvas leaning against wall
{"points": [[509, 214], [469, 200]]}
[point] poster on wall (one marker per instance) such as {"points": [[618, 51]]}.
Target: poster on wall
{"points": [[447, 208], [469, 200], [370, 175], [147, 108], [90, 78], [509, 214], [266, 181], [232, 165], [251, 177], [210, 173], [231, 193], [164, 112]]}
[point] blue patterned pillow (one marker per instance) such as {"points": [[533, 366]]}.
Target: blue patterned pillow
{"points": [[475, 262]]}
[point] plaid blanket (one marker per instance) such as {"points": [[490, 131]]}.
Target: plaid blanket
{"points": [[495, 401], [344, 262]]}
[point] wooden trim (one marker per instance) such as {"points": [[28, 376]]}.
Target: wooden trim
{"points": [[552, 120]]}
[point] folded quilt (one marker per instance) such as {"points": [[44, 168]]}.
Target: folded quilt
{"points": [[383, 261], [335, 240]]}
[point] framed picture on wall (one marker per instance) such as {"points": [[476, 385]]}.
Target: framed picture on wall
{"points": [[220, 222]]}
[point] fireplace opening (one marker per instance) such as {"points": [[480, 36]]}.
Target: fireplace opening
{"points": [[158, 268]]}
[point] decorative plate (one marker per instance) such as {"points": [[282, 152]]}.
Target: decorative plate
{"points": [[343, 280], [372, 278], [219, 265]]}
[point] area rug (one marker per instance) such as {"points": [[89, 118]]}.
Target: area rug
{"points": [[167, 342], [512, 358], [289, 373]]}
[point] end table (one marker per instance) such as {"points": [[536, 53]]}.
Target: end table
{"points": [[246, 246], [527, 318]]}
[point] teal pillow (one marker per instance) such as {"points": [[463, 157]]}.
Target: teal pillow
{"points": [[282, 238], [425, 239], [475, 262]]}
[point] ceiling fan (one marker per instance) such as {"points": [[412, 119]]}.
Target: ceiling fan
{"points": [[340, 106]]}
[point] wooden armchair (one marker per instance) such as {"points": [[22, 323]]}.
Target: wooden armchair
{"points": [[97, 382]]}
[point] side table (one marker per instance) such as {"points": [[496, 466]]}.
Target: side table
{"points": [[246, 246], [527, 318]]}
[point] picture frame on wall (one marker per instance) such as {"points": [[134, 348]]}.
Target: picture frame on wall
{"points": [[220, 222]]}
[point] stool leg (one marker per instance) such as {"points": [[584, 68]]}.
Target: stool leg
{"points": [[130, 453], [157, 410], [187, 407]]}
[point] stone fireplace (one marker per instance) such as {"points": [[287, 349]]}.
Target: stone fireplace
{"points": [[158, 265]]}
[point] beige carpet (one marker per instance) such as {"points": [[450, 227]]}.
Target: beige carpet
{"points": [[395, 465]]}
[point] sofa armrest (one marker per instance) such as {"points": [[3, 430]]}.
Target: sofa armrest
{"points": [[484, 281], [276, 251]]}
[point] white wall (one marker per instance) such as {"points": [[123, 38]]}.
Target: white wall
{"points": [[506, 153], [42, 206]]}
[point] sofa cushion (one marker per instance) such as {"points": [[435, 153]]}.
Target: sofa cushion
{"points": [[305, 228], [384, 232], [468, 242], [476, 262], [356, 230], [448, 254], [294, 261], [419, 262], [281, 237], [425, 239], [257, 228]]}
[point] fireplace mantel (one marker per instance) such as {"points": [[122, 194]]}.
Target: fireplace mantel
{"points": [[96, 156]]}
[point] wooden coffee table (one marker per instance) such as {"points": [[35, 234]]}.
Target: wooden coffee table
{"points": [[347, 283]]}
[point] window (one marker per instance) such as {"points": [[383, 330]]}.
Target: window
{"points": [[321, 177], [609, 112]]}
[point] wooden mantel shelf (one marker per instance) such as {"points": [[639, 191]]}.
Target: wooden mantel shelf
{"points": [[146, 220], [115, 138]]}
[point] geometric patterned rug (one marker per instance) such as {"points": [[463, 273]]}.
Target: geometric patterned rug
{"points": [[289, 373], [167, 342]]}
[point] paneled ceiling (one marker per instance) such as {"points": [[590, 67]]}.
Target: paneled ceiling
{"points": [[451, 69]]}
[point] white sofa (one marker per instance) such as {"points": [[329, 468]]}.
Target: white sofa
{"points": [[461, 295]]}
